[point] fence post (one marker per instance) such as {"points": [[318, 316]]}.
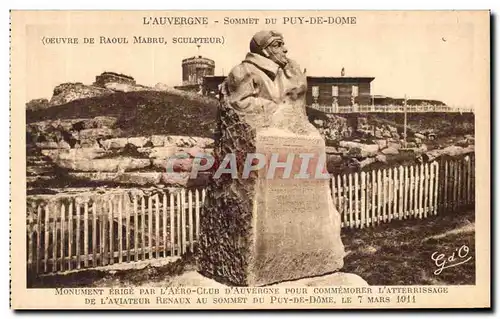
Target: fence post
{"points": [[356, 199], [137, 231], [411, 211], [416, 209], [436, 187], [197, 212], [431, 189], [164, 212], [395, 183], [150, 227], [63, 220], [190, 220], [183, 219], [344, 200], [400, 201], [426, 189], [127, 225], [143, 227], [421, 191], [390, 194], [172, 224], [373, 207], [445, 190], [111, 212], [47, 239], [379, 196], [94, 234], [29, 229], [120, 230], [157, 226], [363, 198]]}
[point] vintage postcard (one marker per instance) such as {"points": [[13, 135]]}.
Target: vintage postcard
{"points": [[250, 159]]}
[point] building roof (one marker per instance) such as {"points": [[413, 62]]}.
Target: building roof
{"points": [[198, 59], [340, 79]]}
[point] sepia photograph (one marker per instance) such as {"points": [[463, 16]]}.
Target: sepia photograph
{"points": [[233, 160]]}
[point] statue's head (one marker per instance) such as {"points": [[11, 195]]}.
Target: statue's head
{"points": [[271, 45]]}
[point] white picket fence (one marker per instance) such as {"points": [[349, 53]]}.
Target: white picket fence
{"points": [[85, 232], [369, 198], [76, 232]]}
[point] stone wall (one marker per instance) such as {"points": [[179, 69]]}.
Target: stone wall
{"points": [[87, 152]]}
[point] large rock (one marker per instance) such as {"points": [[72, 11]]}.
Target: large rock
{"points": [[390, 151], [360, 150], [74, 154], [67, 92], [261, 229], [128, 178], [451, 151], [116, 164], [114, 143], [253, 227], [96, 122], [160, 152]]}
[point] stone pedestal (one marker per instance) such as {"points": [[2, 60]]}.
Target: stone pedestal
{"points": [[272, 228]]}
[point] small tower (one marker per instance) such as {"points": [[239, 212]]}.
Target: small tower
{"points": [[195, 68]]}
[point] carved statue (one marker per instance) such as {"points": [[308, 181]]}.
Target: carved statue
{"points": [[267, 87], [262, 228]]}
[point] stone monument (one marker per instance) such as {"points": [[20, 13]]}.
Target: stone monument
{"points": [[274, 219]]}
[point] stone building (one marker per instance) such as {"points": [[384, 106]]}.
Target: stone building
{"points": [[341, 91], [194, 69], [112, 77]]}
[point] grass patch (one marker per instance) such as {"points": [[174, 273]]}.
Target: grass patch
{"points": [[399, 253]]}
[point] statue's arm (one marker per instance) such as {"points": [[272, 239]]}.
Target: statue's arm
{"points": [[243, 92]]}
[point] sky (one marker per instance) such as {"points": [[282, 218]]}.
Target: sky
{"points": [[422, 55]]}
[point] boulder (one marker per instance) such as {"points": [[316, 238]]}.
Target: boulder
{"points": [[122, 87], [178, 165], [37, 104], [138, 141], [157, 140], [381, 158], [448, 151], [162, 152], [462, 143], [118, 164], [53, 145], [360, 150], [390, 151], [67, 92], [128, 178], [161, 86], [420, 136], [367, 161], [74, 154], [331, 150], [386, 134], [114, 143], [94, 133], [381, 143], [96, 122]]}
